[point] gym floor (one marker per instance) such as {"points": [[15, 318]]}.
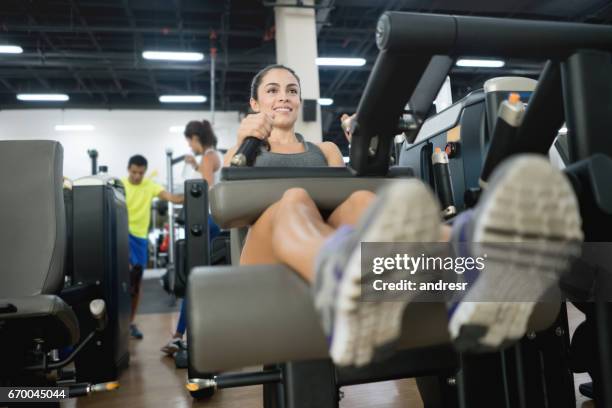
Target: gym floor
{"points": [[152, 380]]}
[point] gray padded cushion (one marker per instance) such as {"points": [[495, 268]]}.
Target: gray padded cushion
{"points": [[252, 315], [239, 203], [32, 242], [44, 316]]}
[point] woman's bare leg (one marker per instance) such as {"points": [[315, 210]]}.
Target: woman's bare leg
{"points": [[258, 242], [292, 231], [350, 210]]}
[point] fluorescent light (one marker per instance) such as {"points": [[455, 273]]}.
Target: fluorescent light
{"points": [[480, 63], [43, 97], [176, 129], [10, 49], [182, 98], [74, 128], [325, 101], [173, 56], [341, 62]]}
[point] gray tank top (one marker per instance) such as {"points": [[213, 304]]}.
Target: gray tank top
{"points": [[312, 156]]}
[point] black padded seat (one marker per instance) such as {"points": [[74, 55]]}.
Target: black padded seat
{"points": [[33, 245], [40, 317]]}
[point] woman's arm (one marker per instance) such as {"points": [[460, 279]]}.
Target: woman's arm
{"points": [[332, 154], [228, 156], [207, 167]]}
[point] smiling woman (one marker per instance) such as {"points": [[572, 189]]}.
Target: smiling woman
{"points": [[276, 101]]}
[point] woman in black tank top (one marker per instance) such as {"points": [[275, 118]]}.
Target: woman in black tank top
{"points": [[292, 230], [294, 222]]}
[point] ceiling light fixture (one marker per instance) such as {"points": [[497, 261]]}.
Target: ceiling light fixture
{"points": [[325, 101], [43, 97], [341, 62], [480, 63], [173, 56], [182, 99], [10, 49]]}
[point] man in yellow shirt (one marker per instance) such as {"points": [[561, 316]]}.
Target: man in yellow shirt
{"points": [[139, 192]]}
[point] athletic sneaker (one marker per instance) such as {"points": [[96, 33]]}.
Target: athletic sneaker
{"points": [[174, 345], [358, 330], [528, 222], [135, 333]]}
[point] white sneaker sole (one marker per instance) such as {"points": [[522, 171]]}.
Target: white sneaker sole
{"points": [[405, 211], [532, 204]]}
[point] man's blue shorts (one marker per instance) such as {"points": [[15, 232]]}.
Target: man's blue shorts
{"points": [[139, 251], [213, 228]]}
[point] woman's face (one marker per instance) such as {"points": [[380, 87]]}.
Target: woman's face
{"points": [[279, 95], [194, 144]]}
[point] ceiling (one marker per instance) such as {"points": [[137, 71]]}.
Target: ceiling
{"points": [[91, 49]]}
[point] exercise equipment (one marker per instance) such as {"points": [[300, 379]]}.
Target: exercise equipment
{"points": [[101, 260], [37, 315], [273, 320]]}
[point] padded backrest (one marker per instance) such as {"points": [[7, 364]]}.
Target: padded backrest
{"points": [[32, 218], [245, 192]]}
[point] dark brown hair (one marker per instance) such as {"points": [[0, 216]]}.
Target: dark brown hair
{"points": [[203, 131]]}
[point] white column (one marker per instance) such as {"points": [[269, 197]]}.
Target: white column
{"points": [[296, 47]]}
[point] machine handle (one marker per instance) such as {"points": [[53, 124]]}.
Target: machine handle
{"points": [[247, 152], [442, 181]]}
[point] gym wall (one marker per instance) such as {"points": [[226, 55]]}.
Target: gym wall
{"points": [[117, 136]]}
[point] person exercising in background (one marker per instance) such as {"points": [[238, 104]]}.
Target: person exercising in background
{"points": [[203, 142], [139, 192]]}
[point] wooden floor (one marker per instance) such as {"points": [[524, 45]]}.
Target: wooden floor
{"points": [[152, 381]]}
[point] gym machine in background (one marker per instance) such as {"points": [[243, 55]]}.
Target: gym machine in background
{"points": [[99, 260], [93, 156], [95, 169], [60, 306]]}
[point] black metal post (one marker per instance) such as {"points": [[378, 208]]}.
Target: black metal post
{"points": [[587, 93], [310, 384], [93, 155]]}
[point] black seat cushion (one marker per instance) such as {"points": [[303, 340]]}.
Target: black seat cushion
{"points": [[45, 317]]}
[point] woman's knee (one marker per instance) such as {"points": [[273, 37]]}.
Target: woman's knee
{"points": [[361, 198], [296, 195]]}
